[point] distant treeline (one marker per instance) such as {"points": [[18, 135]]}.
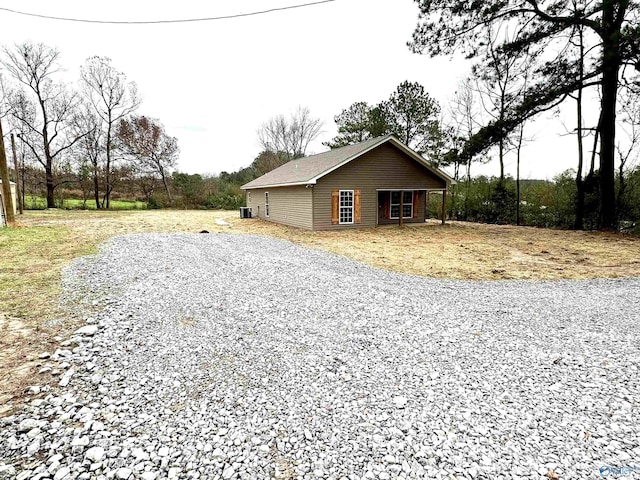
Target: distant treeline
{"points": [[543, 203], [128, 186]]}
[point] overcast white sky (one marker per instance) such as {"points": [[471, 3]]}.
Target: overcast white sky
{"points": [[214, 83]]}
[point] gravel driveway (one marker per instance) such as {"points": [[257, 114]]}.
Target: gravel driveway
{"points": [[229, 356]]}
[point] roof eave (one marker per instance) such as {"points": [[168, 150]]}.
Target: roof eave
{"points": [[275, 185]]}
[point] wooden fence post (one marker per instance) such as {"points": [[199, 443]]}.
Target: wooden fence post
{"points": [[7, 196]]}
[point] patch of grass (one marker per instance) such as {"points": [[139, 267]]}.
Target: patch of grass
{"points": [[471, 251], [30, 265], [30, 268], [40, 203]]}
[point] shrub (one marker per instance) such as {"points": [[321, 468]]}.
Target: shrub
{"points": [[226, 201]]}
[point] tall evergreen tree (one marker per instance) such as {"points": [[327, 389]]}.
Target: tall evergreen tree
{"points": [[358, 123], [413, 116]]}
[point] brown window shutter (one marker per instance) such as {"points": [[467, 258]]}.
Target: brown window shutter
{"points": [[357, 209], [335, 207], [416, 202]]}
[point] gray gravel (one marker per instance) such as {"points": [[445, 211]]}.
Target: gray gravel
{"points": [[228, 356]]}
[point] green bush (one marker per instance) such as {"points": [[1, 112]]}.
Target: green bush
{"points": [[629, 202], [159, 200], [543, 203], [226, 201]]}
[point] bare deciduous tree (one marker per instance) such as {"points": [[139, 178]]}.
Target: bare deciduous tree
{"points": [[46, 108], [501, 82], [465, 118], [292, 136], [627, 144], [113, 98], [90, 150]]}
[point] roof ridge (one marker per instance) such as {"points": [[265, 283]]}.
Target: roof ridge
{"points": [[343, 147]]}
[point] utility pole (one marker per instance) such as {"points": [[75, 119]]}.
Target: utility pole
{"points": [[15, 169], [7, 197]]}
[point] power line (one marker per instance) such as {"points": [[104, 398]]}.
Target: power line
{"points": [[154, 22]]}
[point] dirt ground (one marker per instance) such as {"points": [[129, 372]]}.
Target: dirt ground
{"points": [[33, 255]]}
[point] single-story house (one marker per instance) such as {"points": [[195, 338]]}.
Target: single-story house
{"points": [[363, 185]]}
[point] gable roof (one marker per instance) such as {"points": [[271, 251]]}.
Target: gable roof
{"points": [[308, 170]]}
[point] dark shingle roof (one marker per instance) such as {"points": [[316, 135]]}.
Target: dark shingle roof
{"points": [[305, 170]]}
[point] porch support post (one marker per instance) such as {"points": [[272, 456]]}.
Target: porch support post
{"points": [[444, 202], [401, 207]]}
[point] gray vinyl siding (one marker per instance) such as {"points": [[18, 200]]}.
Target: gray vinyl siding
{"points": [[287, 205], [384, 168]]}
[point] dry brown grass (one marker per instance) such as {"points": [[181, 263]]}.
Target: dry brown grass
{"points": [[469, 251], [33, 255]]}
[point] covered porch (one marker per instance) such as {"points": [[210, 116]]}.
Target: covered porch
{"points": [[410, 202]]}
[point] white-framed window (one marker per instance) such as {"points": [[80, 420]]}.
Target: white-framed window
{"points": [[407, 205], [266, 204], [248, 197], [346, 207]]}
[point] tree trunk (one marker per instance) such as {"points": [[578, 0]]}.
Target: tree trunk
{"points": [[15, 166], [518, 191], [503, 93], [611, 59], [452, 204], [107, 189], [164, 182], [48, 170], [518, 153], [596, 137], [467, 189], [96, 187], [22, 179], [621, 190], [607, 153], [48, 167], [501, 155], [108, 165], [579, 222]]}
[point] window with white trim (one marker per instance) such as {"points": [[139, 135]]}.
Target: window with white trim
{"points": [[346, 206], [266, 204], [407, 205]]}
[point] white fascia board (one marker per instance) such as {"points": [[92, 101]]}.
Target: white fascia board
{"points": [[297, 184], [410, 189]]}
